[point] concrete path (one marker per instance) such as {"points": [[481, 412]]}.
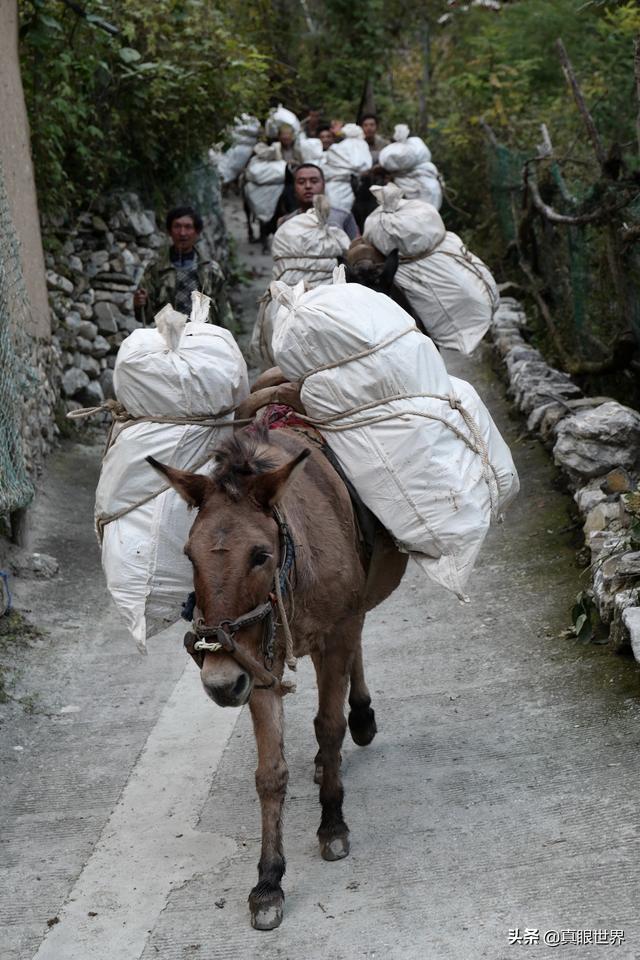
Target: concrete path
{"points": [[500, 793]]}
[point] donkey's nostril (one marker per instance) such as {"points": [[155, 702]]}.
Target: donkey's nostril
{"points": [[240, 685]]}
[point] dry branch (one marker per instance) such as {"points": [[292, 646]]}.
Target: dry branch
{"points": [[594, 136]]}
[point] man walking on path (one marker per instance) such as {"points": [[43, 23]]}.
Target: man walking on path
{"points": [[179, 270], [308, 183], [369, 124]]}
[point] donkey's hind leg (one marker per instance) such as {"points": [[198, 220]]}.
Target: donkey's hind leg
{"points": [[362, 718], [330, 725]]}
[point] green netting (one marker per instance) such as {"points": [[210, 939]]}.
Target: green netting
{"points": [[591, 284], [505, 184], [17, 377]]}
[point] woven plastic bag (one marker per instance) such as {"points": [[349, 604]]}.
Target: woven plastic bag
{"points": [[306, 247], [192, 371], [279, 116], [265, 180], [351, 156], [419, 447], [408, 160], [244, 136], [450, 289]]}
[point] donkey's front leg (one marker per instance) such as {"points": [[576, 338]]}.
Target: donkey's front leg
{"points": [[330, 725], [266, 900]]}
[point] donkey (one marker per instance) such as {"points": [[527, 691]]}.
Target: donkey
{"points": [[273, 496], [364, 264]]}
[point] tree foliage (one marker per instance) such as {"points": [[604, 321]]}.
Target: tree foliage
{"points": [[130, 94]]}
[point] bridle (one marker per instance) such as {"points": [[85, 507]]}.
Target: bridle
{"points": [[204, 638]]}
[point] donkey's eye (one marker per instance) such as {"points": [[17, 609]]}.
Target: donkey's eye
{"points": [[258, 557]]}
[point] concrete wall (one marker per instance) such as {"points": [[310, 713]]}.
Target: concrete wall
{"points": [[15, 152]]}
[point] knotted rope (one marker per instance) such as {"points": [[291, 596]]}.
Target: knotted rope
{"points": [[466, 260], [121, 416]]}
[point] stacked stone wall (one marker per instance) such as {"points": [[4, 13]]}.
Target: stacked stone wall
{"points": [[595, 441], [91, 279]]}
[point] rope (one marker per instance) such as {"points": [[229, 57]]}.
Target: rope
{"points": [[359, 356], [120, 415], [478, 446], [465, 259], [289, 658]]}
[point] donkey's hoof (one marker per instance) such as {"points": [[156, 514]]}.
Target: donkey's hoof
{"points": [[362, 726], [267, 911], [266, 908], [336, 848]]}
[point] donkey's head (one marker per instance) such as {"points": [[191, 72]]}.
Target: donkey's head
{"points": [[364, 264], [234, 548]]}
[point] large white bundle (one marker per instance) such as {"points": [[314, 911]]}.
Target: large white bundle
{"points": [[246, 129], [450, 289], [408, 160], [434, 468], [405, 152], [192, 370], [232, 162], [278, 116], [265, 180], [311, 150], [306, 247], [244, 135], [421, 183], [351, 156], [411, 227]]}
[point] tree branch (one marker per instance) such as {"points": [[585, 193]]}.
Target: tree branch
{"points": [[594, 136]]}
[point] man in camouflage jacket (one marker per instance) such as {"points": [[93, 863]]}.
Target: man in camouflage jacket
{"points": [[179, 270]]}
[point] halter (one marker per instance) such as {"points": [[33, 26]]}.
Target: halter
{"points": [[223, 633]]}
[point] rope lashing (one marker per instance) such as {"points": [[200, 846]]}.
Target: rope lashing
{"points": [[466, 260]]}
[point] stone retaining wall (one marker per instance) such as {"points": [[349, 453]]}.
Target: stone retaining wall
{"points": [[91, 280], [595, 441]]}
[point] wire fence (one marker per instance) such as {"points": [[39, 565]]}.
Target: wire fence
{"points": [[17, 376], [577, 248]]}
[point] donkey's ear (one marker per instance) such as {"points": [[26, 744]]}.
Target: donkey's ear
{"points": [[268, 488], [389, 270], [192, 487], [350, 274]]}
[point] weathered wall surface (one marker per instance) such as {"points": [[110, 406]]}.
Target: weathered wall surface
{"points": [[15, 153]]}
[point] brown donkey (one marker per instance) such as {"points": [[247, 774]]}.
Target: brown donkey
{"points": [[272, 495]]}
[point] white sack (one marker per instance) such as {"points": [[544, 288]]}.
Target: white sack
{"points": [[421, 183], [405, 152], [147, 573], [232, 162], [307, 248], [265, 180], [351, 156], [411, 227], [424, 475], [450, 289], [311, 150], [277, 117], [408, 160], [244, 135]]}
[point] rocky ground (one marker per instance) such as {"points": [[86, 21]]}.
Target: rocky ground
{"points": [[498, 796]]}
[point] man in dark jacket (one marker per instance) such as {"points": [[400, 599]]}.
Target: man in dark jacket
{"points": [[308, 183], [179, 270]]}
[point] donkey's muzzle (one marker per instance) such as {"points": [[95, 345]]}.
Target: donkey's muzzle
{"points": [[235, 693]]}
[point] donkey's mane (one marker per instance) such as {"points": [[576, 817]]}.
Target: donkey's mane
{"points": [[243, 455]]}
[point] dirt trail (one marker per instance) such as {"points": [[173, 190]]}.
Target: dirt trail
{"points": [[498, 794]]}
